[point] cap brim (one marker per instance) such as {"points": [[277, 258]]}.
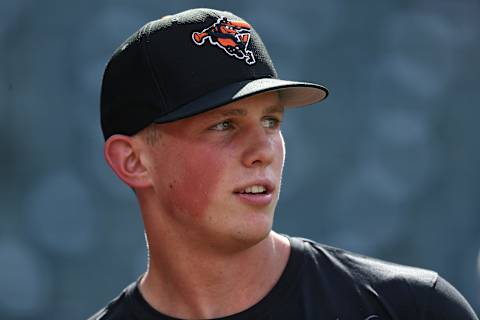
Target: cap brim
{"points": [[291, 93]]}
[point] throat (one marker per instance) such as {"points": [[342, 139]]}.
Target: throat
{"points": [[205, 289]]}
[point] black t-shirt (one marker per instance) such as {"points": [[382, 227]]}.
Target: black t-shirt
{"points": [[325, 283]]}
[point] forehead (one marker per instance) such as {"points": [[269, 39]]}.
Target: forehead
{"points": [[264, 103], [257, 105]]}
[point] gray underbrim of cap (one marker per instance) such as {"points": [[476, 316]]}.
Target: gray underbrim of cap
{"points": [[291, 93]]}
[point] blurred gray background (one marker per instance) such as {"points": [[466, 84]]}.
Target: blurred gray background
{"points": [[388, 166]]}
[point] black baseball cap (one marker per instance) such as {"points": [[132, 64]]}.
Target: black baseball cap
{"points": [[188, 63]]}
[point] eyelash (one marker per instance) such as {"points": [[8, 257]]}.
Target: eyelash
{"points": [[273, 120]]}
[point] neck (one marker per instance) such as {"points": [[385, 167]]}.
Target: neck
{"points": [[202, 284]]}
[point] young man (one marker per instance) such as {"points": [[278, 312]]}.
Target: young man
{"points": [[191, 109]]}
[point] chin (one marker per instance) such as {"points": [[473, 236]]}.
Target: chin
{"points": [[240, 229], [244, 238]]}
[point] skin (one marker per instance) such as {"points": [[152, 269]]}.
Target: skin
{"points": [[212, 254]]}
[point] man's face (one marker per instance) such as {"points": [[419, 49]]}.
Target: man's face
{"points": [[216, 176]]}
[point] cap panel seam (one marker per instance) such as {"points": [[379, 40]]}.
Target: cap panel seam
{"points": [[153, 74]]}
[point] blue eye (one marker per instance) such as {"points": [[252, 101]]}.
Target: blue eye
{"points": [[271, 123], [222, 126]]}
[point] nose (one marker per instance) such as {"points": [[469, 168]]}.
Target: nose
{"points": [[260, 148]]}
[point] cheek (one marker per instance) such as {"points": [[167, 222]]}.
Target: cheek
{"points": [[280, 150], [196, 176]]}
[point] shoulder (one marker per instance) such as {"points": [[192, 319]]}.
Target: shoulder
{"points": [[445, 302], [420, 291], [368, 269], [116, 309]]}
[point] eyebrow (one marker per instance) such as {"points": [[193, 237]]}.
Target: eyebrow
{"points": [[274, 108], [243, 112], [234, 112]]}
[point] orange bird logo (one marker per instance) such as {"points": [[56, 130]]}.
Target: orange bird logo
{"points": [[231, 36]]}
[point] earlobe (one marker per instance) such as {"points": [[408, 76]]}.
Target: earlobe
{"points": [[125, 161]]}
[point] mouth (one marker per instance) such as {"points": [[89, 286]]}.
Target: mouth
{"points": [[256, 193], [260, 187]]}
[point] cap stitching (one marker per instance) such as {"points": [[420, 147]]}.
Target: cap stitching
{"points": [[153, 74]]}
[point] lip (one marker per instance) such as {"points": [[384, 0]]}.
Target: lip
{"points": [[255, 199], [269, 186], [259, 199]]}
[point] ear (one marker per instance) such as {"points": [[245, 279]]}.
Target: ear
{"points": [[125, 161]]}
